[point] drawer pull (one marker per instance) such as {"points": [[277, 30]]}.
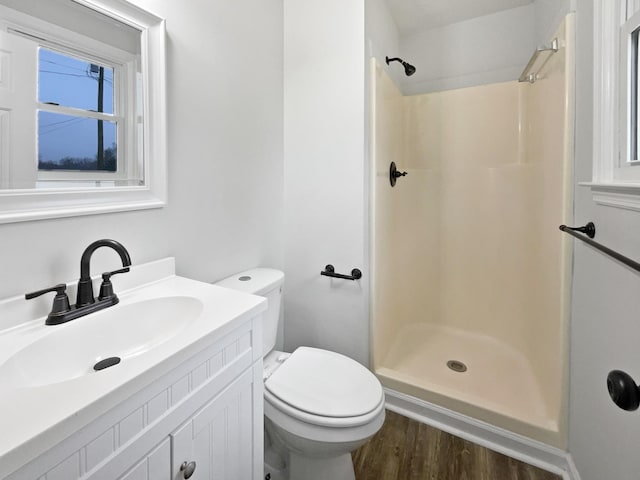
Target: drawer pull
{"points": [[188, 469]]}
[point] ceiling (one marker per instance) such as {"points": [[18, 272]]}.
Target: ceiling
{"points": [[415, 15]]}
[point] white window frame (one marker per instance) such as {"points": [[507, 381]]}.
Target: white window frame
{"points": [[125, 66], [17, 205], [616, 177]]}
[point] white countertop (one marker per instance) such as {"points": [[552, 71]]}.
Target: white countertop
{"points": [[35, 418]]}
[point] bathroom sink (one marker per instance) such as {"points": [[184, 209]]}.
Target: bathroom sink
{"points": [[71, 350], [49, 388]]}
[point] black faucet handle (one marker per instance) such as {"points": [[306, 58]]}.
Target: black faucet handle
{"points": [[106, 289], [60, 301], [60, 289], [107, 275]]}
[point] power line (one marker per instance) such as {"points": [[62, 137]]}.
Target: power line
{"points": [[63, 65], [62, 125], [73, 75], [63, 73], [59, 127], [59, 123]]}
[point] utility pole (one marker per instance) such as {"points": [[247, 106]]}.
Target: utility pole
{"points": [[100, 159]]}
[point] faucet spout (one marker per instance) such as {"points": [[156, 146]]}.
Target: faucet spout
{"points": [[85, 285]]}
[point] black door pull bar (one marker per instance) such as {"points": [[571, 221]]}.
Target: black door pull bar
{"points": [[622, 388], [329, 271], [590, 230]]}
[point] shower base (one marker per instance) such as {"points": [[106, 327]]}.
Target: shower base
{"points": [[498, 385]]}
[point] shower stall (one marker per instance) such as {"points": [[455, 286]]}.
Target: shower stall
{"points": [[470, 275]]}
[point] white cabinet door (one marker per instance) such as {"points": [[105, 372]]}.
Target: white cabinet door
{"points": [[155, 466], [219, 438]]}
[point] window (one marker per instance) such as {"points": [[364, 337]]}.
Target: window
{"points": [[616, 166], [77, 128], [85, 117]]}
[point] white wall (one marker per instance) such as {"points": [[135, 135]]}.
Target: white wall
{"points": [[605, 326], [325, 209], [489, 49], [225, 159], [548, 15], [225, 123], [383, 37]]}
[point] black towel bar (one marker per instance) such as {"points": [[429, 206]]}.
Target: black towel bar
{"points": [[590, 230], [329, 271]]}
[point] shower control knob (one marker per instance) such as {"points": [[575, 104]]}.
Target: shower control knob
{"points": [[394, 174], [623, 390]]}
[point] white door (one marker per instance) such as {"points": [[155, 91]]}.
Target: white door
{"points": [[18, 98]]}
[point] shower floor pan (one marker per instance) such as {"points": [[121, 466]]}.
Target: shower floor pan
{"points": [[498, 385]]}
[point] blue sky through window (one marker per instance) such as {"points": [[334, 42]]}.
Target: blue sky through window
{"points": [[72, 82]]}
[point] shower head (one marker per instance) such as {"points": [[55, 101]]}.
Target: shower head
{"points": [[408, 68]]}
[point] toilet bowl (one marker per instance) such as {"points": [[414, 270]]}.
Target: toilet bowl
{"points": [[319, 405]]}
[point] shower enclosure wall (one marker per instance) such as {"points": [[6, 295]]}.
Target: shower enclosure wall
{"points": [[468, 263]]}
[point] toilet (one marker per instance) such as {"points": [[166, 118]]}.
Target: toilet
{"points": [[319, 405]]}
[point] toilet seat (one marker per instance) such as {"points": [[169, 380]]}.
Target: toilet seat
{"points": [[287, 410], [324, 388]]}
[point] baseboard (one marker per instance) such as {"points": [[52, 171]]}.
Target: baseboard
{"points": [[572, 472], [503, 441]]}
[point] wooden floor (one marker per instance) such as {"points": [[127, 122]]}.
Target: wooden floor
{"points": [[408, 450]]}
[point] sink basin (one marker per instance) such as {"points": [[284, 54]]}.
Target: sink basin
{"points": [[164, 326], [71, 350]]}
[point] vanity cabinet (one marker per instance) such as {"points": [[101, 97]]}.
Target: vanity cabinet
{"points": [[208, 410]]}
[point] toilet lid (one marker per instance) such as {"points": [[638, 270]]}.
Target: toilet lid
{"points": [[326, 384]]}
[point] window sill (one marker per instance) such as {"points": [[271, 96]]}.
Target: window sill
{"points": [[618, 195], [27, 205]]}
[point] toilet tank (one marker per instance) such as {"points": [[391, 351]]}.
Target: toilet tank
{"points": [[265, 282]]}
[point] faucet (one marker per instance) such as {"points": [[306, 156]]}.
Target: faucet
{"points": [[61, 311], [85, 285]]}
